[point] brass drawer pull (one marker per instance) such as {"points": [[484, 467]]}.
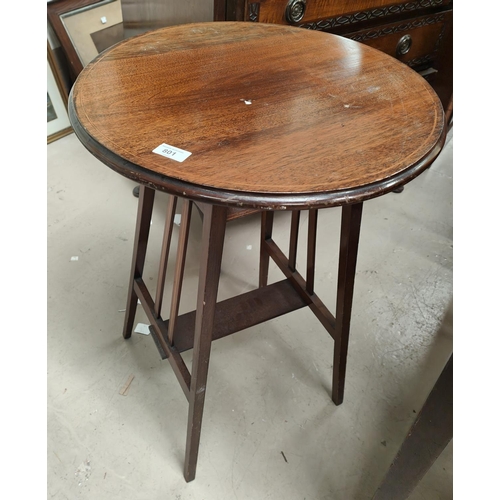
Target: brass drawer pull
{"points": [[295, 10], [403, 46]]}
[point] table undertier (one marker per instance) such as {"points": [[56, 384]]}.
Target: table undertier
{"points": [[240, 312]]}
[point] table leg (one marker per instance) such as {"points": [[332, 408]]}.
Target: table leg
{"points": [[179, 267], [349, 239], [144, 212], [165, 250], [214, 226], [312, 229], [294, 240], [266, 234]]}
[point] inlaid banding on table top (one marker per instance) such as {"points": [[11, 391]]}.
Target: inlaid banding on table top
{"points": [[276, 110]]}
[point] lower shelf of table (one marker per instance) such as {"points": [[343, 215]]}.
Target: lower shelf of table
{"points": [[238, 313]]}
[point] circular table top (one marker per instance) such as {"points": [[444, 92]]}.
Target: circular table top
{"points": [[273, 116]]}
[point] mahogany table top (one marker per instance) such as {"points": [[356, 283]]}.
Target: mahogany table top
{"points": [[273, 116]]}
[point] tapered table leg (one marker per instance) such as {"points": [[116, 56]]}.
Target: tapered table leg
{"points": [[214, 226], [144, 212], [266, 233], [294, 240], [349, 239]]}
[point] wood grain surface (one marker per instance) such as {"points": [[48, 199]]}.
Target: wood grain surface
{"points": [[274, 116]]}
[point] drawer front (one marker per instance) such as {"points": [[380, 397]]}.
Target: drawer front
{"points": [[339, 13], [415, 42]]}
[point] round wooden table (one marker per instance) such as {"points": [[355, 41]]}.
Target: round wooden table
{"points": [[239, 116]]}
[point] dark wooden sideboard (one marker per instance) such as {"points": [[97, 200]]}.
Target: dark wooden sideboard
{"points": [[418, 33]]}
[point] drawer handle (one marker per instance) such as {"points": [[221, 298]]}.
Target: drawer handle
{"points": [[295, 10], [403, 46]]}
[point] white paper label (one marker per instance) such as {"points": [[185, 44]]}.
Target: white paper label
{"points": [[142, 328], [172, 152]]}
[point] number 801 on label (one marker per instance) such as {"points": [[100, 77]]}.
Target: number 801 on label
{"points": [[171, 152]]}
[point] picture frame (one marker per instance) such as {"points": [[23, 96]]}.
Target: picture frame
{"points": [[77, 25], [58, 124]]}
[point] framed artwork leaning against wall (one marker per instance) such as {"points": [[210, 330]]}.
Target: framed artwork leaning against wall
{"points": [[58, 124], [84, 28]]}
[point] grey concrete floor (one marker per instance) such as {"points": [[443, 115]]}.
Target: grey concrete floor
{"points": [[268, 392]]}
